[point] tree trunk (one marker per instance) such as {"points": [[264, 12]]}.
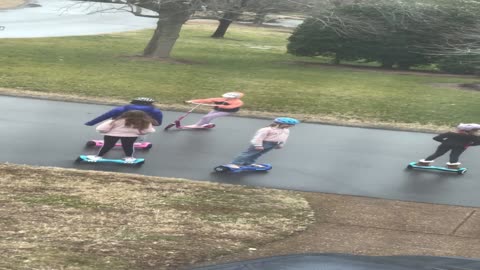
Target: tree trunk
{"points": [[228, 17], [259, 18], [225, 22], [170, 22], [336, 60], [388, 64], [404, 66]]}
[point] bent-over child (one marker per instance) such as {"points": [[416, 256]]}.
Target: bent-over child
{"points": [[454, 141], [265, 139]]}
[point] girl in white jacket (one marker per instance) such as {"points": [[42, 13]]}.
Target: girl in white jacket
{"points": [[265, 139]]}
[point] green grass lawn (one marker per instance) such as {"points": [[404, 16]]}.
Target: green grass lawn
{"points": [[252, 60]]}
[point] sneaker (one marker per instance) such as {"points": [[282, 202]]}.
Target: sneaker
{"points": [[423, 162], [93, 158], [129, 159], [233, 166], [454, 166], [257, 165]]}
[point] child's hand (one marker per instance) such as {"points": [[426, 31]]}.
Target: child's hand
{"points": [[259, 148]]}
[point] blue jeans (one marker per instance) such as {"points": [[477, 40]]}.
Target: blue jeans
{"points": [[251, 154]]}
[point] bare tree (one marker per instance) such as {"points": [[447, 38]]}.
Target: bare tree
{"points": [[262, 8], [459, 41], [171, 14], [233, 10], [229, 11]]}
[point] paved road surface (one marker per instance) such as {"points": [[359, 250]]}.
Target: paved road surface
{"points": [[318, 158]]}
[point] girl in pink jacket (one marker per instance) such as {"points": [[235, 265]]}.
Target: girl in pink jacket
{"points": [[265, 139], [126, 128]]}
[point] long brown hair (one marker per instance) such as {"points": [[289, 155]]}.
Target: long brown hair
{"points": [[136, 119]]}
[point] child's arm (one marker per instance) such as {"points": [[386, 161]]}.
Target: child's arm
{"points": [[476, 141], [441, 137], [105, 126], [259, 136], [110, 114], [231, 104], [282, 143], [157, 115], [205, 101]]}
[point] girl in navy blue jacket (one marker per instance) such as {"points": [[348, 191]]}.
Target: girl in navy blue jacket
{"points": [[141, 104]]}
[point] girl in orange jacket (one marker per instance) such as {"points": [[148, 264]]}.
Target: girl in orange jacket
{"points": [[227, 104]]}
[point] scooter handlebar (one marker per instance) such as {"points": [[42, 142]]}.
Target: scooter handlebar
{"points": [[203, 104]]}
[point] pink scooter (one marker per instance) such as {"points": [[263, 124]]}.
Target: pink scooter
{"points": [[178, 125]]}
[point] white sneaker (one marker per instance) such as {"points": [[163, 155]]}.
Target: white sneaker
{"points": [[129, 159], [423, 162], [93, 158], [233, 166], [453, 165], [257, 165]]}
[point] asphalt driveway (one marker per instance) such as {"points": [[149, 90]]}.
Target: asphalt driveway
{"points": [[318, 158]]}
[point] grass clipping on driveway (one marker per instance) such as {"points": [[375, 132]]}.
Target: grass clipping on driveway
{"points": [[55, 218]]}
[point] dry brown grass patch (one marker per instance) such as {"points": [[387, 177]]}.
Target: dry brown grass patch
{"points": [[69, 219]]}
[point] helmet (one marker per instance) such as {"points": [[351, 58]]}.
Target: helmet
{"points": [[286, 121], [468, 127], [142, 101], [233, 95]]}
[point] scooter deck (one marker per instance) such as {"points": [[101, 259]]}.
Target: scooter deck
{"points": [[140, 145], [413, 165], [84, 158], [226, 168], [202, 127]]}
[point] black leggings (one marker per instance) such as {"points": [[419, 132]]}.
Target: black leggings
{"points": [[110, 141], [442, 149]]}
